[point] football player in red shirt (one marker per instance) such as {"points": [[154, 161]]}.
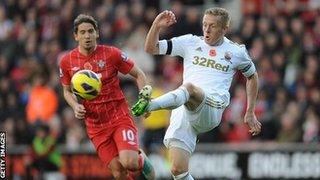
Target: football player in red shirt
{"points": [[109, 124]]}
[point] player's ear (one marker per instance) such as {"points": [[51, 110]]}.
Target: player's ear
{"points": [[75, 35], [97, 34], [226, 28]]}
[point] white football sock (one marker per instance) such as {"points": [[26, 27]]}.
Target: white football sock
{"points": [[170, 100], [183, 176]]}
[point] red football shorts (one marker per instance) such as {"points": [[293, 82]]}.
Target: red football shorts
{"points": [[115, 138]]}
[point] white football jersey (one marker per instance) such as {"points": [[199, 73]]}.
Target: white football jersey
{"points": [[209, 67]]}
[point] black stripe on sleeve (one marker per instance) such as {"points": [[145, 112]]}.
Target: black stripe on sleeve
{"points": [[169, 49], [245, 69]]}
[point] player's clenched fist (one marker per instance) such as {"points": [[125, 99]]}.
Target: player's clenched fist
{"points": [[79, 111], [253, 123], [165, 19]]}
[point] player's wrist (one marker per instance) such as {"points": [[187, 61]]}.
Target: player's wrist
{"points": [[74, 105], [156, 25], [250, 111]]}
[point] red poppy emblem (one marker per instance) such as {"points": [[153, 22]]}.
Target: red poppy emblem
{"points": [[212, 52], [87, 66]]}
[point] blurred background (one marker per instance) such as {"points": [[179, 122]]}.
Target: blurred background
{"points": [[42, 134]]}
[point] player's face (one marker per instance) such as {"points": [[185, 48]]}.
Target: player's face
{"points": [[86, 36], [212, 28]]}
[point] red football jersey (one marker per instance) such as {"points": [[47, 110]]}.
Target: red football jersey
{"points": [[106, 61]]}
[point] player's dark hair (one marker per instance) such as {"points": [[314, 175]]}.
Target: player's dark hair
{"points": [[84, 18]]}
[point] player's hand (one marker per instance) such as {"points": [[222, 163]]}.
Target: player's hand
{"points": [[254, 125], [79, 111], [165, 19]]}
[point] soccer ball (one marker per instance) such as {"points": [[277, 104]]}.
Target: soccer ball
{"points": [[86, 84]]}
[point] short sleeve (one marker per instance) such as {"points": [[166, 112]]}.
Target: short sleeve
{"points": [[121, 62], [175, 46], [246, 66], [64, 75]]}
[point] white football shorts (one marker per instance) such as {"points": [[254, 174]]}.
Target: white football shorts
{"points": [[185, 125]]}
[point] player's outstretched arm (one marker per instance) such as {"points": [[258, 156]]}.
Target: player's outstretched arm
{"points": [[139, 76], [141, 80], [252, 93], [79, 110], [164, 19]]}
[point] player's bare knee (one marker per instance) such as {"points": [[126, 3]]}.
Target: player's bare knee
{"points": [[119, 175], [190, 88], [194, 91], [118, 172], [130, 163], [176, 170]]}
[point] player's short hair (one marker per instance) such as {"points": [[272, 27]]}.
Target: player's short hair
{"points": [[222, 13], [84, 18]]}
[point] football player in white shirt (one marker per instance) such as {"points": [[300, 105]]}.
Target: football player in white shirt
{"points": [[209, 65]]}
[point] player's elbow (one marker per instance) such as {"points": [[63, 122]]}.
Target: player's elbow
{"points": [[65, 93], [141, 76], [150, 49]]}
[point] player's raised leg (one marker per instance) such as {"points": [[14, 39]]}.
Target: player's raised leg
{"points": [[144, 98], [187, 94]]}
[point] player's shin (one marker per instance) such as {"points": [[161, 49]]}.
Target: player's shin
{"points": [[170, 100], [146, 166]]}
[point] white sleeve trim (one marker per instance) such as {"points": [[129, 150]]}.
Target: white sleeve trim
{"points": [[163, 46], [249, 70]]}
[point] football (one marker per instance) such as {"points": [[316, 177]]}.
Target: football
{"points": [[86, 84]]}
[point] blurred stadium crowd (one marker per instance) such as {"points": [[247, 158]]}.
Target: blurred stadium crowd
{"points": [[282, 36]]}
